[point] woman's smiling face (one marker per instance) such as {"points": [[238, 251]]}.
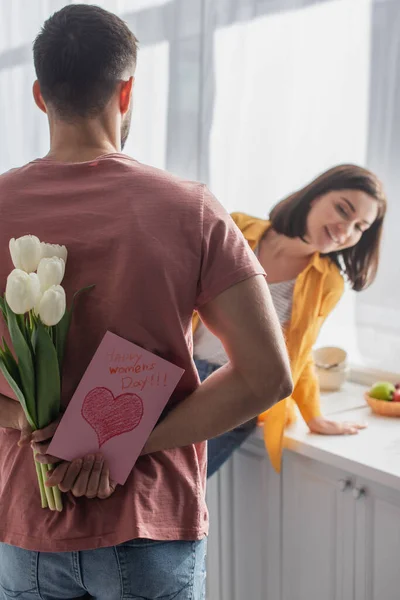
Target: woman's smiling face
{"points": [[338, 219]]}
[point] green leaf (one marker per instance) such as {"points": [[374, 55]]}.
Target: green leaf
{"points": [[21, 324], [33, 337], [62, 328], [10, 362], [24, 326], [84, 289], [5, 346], [25, 363], [61, 333], [17, 391], [48, 387], [3, 309]]}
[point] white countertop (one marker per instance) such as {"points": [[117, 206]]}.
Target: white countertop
{"points": [[373, 454]]}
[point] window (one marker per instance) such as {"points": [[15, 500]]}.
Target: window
{"points": [[298, 90], [254, 97]]}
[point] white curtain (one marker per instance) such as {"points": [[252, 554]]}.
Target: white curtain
{"points": [[254, 97], [292, 100], [300, 86]]}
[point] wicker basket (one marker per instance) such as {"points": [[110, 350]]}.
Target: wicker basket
{"points": [[382, 407]]}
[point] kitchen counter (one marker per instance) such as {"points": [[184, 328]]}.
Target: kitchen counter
{"points": [[373, 454], [327, 527]]}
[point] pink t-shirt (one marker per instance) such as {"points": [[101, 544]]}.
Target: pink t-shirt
{"points": [[156, 247]]}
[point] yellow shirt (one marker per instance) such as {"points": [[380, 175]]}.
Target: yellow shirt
{"points": [[317, 290]]}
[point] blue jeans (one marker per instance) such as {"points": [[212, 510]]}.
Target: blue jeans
{"points": [[221, 448], [138, 570]]}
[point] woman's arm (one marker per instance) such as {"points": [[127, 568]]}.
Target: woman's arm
{"points": [[307, 398], [306, 391]]}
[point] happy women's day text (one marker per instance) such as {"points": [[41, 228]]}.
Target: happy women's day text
{"points": [[137, 367]]}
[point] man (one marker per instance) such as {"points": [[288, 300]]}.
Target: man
{"points": [[156, 247]]}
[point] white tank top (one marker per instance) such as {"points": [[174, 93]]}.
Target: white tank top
{"points": [[208, 347]]}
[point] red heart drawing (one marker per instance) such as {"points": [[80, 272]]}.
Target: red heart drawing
{"points": [[110, 416]]}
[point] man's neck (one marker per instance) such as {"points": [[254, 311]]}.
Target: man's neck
{"points": [[82, 142], [73, 154]]}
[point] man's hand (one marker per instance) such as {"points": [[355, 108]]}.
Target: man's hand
{"points": [[88, 476], [40, 441], [25, 429]]}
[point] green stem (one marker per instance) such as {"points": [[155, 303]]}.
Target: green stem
{"points": [[30, 321], [48, 490], [57, 498], [55, 491], [41, 484]]}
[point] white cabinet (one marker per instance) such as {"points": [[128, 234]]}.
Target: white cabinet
{"points": [[377, 543], [214, 542], [314, 533], [245, 528], [340, 535], [317, 531]]}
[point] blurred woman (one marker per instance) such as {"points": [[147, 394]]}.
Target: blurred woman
{"points": [[319, 237]]}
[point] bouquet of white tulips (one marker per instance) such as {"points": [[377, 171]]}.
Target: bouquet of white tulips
{"points": [[34, 310]]}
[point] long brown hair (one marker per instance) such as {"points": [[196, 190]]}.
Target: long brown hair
{"points": [[360, 262]]}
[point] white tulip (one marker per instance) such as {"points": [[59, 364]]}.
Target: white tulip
{"points": [[25, 252], [50, 272], [51, 250], [51, 306], [22, 291]]}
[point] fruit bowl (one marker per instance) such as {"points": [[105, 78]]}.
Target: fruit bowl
{"points": [[383, 407]]}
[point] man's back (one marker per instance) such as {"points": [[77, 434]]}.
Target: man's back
{"points": [[155, 247]]}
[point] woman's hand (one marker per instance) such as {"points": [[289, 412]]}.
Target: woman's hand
{"points": [[326, 427]]}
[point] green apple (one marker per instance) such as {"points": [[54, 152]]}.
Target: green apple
{"points": [[382, 390]]}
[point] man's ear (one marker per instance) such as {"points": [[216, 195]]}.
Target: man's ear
{"points": [[125, 95], [38, 97]]}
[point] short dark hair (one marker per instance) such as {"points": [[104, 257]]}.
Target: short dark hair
{"points": [[80, 54], [360, 262]]}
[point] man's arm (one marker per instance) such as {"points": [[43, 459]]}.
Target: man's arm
{"points": [[258, 375], [88, 476], [12, 416]]}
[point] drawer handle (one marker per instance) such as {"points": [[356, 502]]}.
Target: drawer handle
{"points": [[345, 484], [359, 493]]}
